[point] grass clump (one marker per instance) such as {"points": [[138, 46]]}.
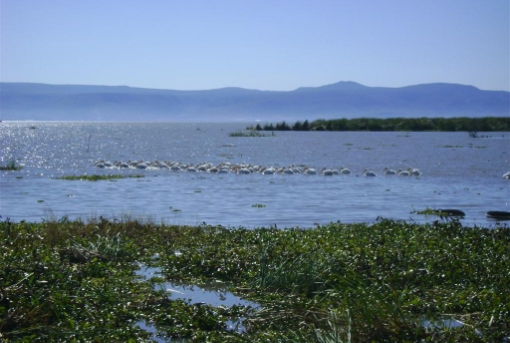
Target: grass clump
{"points": [[443, 213], [97, 177], [69, 280], [250, 133], [11, 165]]}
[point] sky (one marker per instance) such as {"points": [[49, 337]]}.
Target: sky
{"points": [[266, 45]]}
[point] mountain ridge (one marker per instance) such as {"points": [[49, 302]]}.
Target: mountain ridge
{"points": [[344, 99]]}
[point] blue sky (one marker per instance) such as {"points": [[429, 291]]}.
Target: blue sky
{"points": [[267, 45]]}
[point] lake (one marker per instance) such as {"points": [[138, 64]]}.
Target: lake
{"points": [[457, 171]]}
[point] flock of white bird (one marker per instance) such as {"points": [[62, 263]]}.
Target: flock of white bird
{"points": [[227, 167]]}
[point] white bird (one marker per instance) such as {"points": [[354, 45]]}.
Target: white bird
{"points": [[344, 171], [506, 176], [415, 171], [243, 171], [327, 172], [403, 173], [369, 173], [204, 167], [99, 164], [269, 171], [388, 171]]}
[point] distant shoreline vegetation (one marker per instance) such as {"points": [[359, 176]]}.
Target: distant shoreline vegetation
{"points": [[472, 125]]}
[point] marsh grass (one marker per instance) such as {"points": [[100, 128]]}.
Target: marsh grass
{"points": [[250, 133], [63, 280], [97, 177], [11, 165], [442, 213]]}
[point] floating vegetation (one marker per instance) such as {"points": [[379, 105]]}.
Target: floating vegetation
{"points": [[451, 146], [440, 212], [390, 281], [96, 177], [250, 133], [40, 201], [258, 205], [11, 165]]}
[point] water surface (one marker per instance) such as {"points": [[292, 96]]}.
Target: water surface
{"points": [[457, 172]]}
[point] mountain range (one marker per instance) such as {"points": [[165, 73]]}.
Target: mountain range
{"points": [[345, 99]]}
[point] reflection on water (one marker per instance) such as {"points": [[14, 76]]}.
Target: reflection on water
{"points": [[457, 172], [212, 294]]}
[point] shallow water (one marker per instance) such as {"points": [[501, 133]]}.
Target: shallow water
{"points": [[457, 172], [213, 294]]}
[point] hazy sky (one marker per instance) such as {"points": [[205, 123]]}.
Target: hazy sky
{"points": [[268, 45]]}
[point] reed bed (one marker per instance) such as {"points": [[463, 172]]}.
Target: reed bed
{"points": [[65, 280]]}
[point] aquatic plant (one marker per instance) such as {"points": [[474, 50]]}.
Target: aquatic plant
{"points": [[96, 177], [11, 165], [444, 213], [250, 133], [64, 280]]}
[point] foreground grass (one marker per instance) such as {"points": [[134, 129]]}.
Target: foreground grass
{"points": [[74, 281]]}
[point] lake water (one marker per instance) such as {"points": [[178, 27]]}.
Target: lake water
{"points": [[457, 171]]}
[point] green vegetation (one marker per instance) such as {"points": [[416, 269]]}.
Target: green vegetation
{"points": [[470, 125], [440, 212], [249, 133], [64, 281], [11, 165], [96, 177]]}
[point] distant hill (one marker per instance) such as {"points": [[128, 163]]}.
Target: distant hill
{"points": [[32, 101]]}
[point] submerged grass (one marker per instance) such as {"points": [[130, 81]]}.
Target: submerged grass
{"points": [[443, 213], [11, 165], [96, 177], [72, 280], [250, 133]]}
